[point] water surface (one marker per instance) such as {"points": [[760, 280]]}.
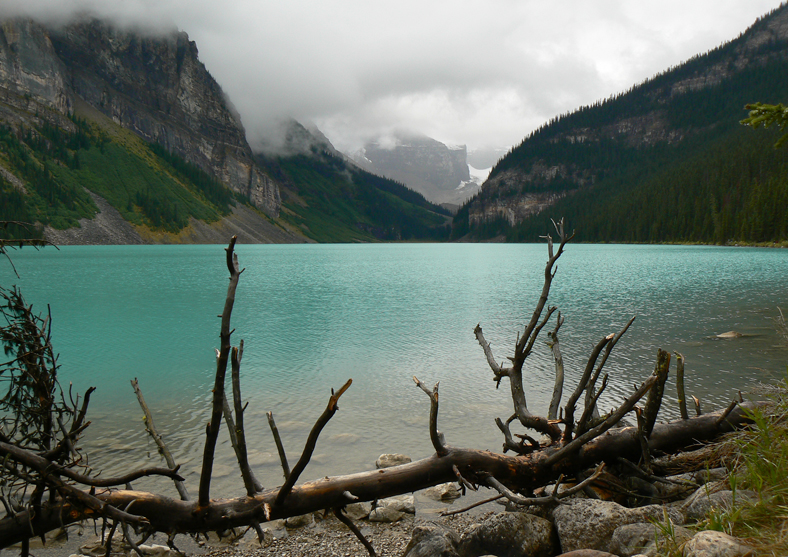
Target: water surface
{"points": [[312, 316]]}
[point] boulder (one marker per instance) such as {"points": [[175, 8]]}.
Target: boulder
{"points": [[589, 524], [647, 539], [389, 460], [401, 503], [432, 540], [698, 505], [358, 511], [385, 514], [300, 521], [443, 492], [510, 534], [587, 553], [716, 544]]}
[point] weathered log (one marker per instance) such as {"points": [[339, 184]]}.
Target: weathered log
{"points": [[520, 473]]}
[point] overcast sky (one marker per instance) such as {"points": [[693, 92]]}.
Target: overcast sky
{"points": [[478, 72]]}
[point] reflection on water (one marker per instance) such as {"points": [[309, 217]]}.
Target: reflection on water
{"points": [[313, 316]]}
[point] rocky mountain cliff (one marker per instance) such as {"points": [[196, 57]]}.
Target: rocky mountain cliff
{"points": [[154, 86], [681, 111], [426, 165]]}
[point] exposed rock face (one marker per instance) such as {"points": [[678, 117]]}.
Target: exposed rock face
{"points": [[29, 66], [421, 163], [155, 86]]}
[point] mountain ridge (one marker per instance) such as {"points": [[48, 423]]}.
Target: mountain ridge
{"points": [[677, 114]]}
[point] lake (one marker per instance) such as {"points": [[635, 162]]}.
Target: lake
{"points": [[312, 316]]}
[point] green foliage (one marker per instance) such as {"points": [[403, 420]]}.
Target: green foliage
{"points": [[767, 115], [146, 185], [762, 466], [213, 190], [332, 202], [702, 178]]}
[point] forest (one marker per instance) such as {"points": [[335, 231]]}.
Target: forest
{"points": [[700, 177]]}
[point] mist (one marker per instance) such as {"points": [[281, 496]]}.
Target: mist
{"points": [[479, 73]]}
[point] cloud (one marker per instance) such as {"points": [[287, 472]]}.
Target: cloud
{"points": [[476, 72]]}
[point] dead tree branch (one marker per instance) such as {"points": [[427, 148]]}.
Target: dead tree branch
{"points": [[212, 431], [153, 432], [436, 436], [279, 446], [311, 443]]}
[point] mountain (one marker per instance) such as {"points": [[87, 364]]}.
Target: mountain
{"points": [[328, 198], [665, 161], [437, 171], [110, 135]]}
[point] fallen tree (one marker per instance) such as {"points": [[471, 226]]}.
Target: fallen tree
{"points": [[47, 484]]}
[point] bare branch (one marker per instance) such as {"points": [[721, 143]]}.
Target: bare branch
{"points": [[212, 431], [153, 432], [349, 523], [569, 409], [654, 400], [680, 386], [592, 383], [311, 443], [555, 401], [612, 420], [498, 370], [250, 482], [279, 446], [435, 436], [553, 498]]}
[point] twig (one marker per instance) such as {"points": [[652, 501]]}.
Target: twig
{"points": [[311, 443], [554, 498], [569, 409], [349, 523], [611, 420], [472, 506], [279, 446], [680, 386], [153, 432], [644, 450], [592, 383], [435, 436], [555, 401], [463, 482], [250, 482], [654, 400], [725, 414]]}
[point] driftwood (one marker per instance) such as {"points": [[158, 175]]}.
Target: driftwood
{"points": [[48, 493]]}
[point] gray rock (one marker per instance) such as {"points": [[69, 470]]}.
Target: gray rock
{"points": [[510, 534], [646, 539], [389, 460], [587, 553], [358, 511], [401, 503], [294, 522], [716, 544], [385, 514], [432, 540], [698, 505], [589, 523], [442, 492]]}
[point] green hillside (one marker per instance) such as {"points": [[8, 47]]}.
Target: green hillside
{"points": [[329, 200], [145, 183], [666, 161]]}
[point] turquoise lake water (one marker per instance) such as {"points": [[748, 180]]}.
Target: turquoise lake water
{"points": [[312, 316]]}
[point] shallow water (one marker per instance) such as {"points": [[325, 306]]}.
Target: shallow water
{"points": [[312, 316]]}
